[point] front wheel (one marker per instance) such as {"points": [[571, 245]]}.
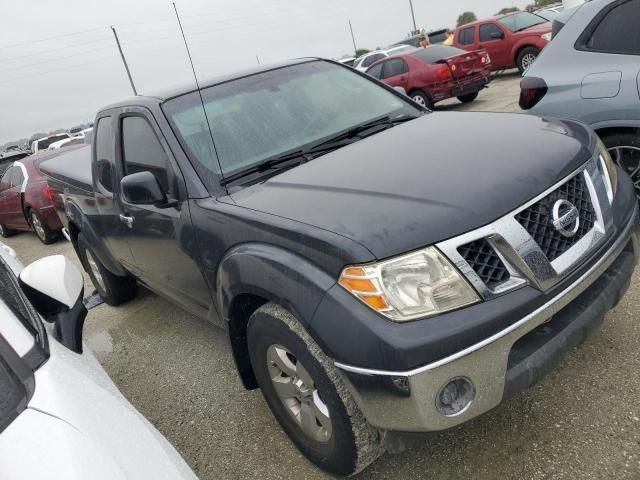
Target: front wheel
{"points": [[526, 57], [624, 148], [307, 395], [470, 97], [422, 99], [42, 230], [113, 289]]}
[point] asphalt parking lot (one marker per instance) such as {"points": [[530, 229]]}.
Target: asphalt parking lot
{"points": [[581, 422]]}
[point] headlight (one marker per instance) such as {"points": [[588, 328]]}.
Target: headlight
{"points": [[609, 170], [547, 36], [416, 285]]}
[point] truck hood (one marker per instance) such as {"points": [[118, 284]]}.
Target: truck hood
{"points": [[427, 180]]}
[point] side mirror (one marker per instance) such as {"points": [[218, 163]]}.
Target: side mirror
{"points": [[142, 188], [55, 287], [400, 90], [497, 35]]}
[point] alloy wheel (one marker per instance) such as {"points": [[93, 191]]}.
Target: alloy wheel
{"points": [[38, 227], [298, 393], [528, 60], [628, 158], [419, 100], [93, 265]]}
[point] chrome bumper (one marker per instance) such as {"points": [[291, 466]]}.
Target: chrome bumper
{"points": [[484, 363]]}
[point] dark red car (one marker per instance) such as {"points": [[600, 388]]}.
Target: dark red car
{"points": [[436, 73], [26, 202], [513, 40]]}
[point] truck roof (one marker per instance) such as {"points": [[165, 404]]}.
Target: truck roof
{"points": [[155, 98]]}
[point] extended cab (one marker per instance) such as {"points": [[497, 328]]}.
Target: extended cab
{"points": [[374, 273], [513, 40]]}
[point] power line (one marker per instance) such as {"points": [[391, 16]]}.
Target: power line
{"points": [[51, 38], [66, 47], [22, 67]]}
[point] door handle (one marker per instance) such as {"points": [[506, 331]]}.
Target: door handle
{"points": [[128, 221]]}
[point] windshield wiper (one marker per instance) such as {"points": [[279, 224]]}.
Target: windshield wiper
{"points": [[315, 150]]}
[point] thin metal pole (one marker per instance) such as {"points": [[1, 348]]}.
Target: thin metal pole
{"points": [[415, 28], [258, 59], [353, 38], [124, 60]]}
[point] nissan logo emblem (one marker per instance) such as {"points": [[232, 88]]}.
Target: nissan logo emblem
{"points": [[566, 218]]}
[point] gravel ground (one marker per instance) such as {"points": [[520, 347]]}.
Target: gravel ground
{"points": [[581, 422]]}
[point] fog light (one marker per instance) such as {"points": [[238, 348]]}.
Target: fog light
{"points": [[455, 396]]}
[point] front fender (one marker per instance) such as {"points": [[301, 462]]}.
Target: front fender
{"points": [[274, 274], [529, 41]]}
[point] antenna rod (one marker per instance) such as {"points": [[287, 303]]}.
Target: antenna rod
{"points": [[193, 69], [124, 60], [355, 49]]}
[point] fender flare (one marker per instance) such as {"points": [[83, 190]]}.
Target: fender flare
{"points": [[76, 217], [271, 274]]}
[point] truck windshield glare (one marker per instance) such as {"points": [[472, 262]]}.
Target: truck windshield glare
{"points": [[264, 115]]}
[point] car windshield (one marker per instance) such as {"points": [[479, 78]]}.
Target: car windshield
{"points": [[264, 115], [437, 53], [521, 21]]}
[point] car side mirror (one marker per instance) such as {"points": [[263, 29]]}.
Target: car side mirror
{"points": [[400, 90], [55, 288], [142, 188], [497, 35]]}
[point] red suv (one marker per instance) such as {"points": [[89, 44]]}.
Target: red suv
{"points": [[435, 73], [513, 40]]}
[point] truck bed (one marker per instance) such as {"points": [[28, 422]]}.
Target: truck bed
{"points": [[71, 168]]}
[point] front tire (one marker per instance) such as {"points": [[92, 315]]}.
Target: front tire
{"points": [[113, 289], [41, 229], [307, 395], [6, 232], [624, 148], [422, 99], [470, 97], [526, 57]]}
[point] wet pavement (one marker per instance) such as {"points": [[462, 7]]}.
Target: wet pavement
{"points": [[581, 422]]}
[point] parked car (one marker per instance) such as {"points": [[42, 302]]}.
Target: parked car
{"points": [[590, 73], [365, 61], [512, 40], [348, 61], [43, 143], [26, 202], [436, 73], [378, 268], [435, 37], [9, 157], [61, 416]]}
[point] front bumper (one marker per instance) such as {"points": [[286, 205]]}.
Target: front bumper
{"points": [[506, 362]]}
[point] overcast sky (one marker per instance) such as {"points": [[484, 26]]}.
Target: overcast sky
{"points": [[62, 81]]}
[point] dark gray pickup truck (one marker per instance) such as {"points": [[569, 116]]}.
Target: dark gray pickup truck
{"points": [[379, 268]]}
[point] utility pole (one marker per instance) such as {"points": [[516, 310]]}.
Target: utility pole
{"points": [[126, 67], [355, 49], [413, 17], [258, 59]]}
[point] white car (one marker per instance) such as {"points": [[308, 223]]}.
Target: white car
{"points": [[44, 142], [61, 417], [363, 62]]}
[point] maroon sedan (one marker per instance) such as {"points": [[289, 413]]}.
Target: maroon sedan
{"points": [[26, 203], [436, 73]]}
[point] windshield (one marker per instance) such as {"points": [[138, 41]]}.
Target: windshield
{"points": [[45, 142], [264, 115], [437, 53], [521, 21]]}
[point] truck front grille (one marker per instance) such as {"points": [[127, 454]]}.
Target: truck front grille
{"points": [[484, 260], [538, 218]]}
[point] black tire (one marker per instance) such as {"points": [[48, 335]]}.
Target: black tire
{"points": [[470, 97], [41, 229], [524, 58], [624, 147], [352, 443], [421, 98], [6, 232], [113, 289]]}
